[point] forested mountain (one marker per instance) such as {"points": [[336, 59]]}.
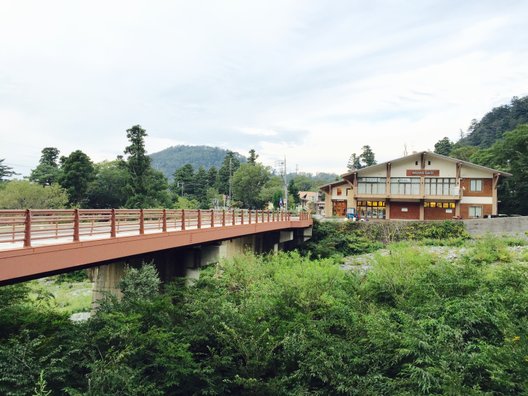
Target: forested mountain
{"points": [[492, 126], [499, 141], [172, 158]]}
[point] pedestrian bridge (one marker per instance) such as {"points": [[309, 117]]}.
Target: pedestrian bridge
{"points": [[37, 243]]}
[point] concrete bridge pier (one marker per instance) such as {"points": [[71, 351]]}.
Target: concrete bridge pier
{"points": [[186, 262]]}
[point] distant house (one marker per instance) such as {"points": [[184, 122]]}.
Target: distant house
{"points": [[420, 186], [311, 202]]}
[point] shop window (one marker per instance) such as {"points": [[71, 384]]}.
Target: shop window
{"points": [[475, 185], [475, 211]]}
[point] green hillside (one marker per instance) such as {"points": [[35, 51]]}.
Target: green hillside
{"points": [[492, 126], [172, 158]]}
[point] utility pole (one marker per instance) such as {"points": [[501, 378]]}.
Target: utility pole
{"points": [[230, 181], [180, 184], [281, 165]]}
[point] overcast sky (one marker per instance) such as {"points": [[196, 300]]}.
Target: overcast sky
{"points": [[310, 80]]}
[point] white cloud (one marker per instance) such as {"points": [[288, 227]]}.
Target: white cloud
{"points": [[311, 80]]}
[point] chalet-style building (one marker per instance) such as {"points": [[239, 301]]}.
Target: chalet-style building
{"points": [[420, 186]]}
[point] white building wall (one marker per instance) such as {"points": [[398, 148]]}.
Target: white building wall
{"points": [[469, 172]]}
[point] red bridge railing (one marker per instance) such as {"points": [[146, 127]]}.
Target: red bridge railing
{"points": [[28, 226]]}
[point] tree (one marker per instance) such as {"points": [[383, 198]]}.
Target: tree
{"points": [[47, 172], [200, 187], [5, 171], [510, 154], [443, 146], [212, 176], [147, 187], [183, 181], [367, 156], [248, 182], [464, 153], [294, 192], [354, 162], [272, 191], [252, 159], [22, 194], [77, 174], [109, 188], [226, 171]]}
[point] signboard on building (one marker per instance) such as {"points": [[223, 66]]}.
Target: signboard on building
{"points": [[423, 172]]}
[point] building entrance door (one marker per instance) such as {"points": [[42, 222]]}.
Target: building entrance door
{"points": [[339, 208]]}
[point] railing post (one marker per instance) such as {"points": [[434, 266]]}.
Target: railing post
{"points": [[223, 217], [141, 222], [212, 218], [242, 216], [268, 216], [256, 216], [76, 225], [27, 229], [199, 221], [183, 220], [249, 216], [233, 219], [113, 224], [164, 221]]}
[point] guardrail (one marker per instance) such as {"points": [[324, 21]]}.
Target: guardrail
{"points": [[32, 225]]}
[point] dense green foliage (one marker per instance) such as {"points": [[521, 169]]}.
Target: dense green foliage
{"points": [[22, 194], [494, 124], [169, 160], [413, 324], [347, 238], [498, 141]]}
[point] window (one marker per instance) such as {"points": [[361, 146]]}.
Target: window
{"points": [[371, 209], [475, 185], [428, 162], [405, 185], [440, 186], [371, 185], [475, 211], [339, 191], [415, 162]]}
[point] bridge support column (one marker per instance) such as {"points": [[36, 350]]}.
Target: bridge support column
{"points": [[106, 281]]}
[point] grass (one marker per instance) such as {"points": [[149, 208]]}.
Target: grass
{"points": [[67, 297]]}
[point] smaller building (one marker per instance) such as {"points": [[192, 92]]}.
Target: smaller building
{"points": [[338, 197], [311, 202]]}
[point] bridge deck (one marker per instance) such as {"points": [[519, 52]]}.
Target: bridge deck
{"points": [[42, 242]]}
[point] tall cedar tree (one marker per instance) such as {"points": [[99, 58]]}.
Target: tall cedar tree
{"points": [[147, 186], [228, 168], [367, 156], [47, 171]]}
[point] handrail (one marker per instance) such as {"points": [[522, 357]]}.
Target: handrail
{"points": [[74, 225]]}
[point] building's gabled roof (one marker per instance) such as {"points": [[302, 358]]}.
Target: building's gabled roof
{"points": [[429, 153], [330, 185]]}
